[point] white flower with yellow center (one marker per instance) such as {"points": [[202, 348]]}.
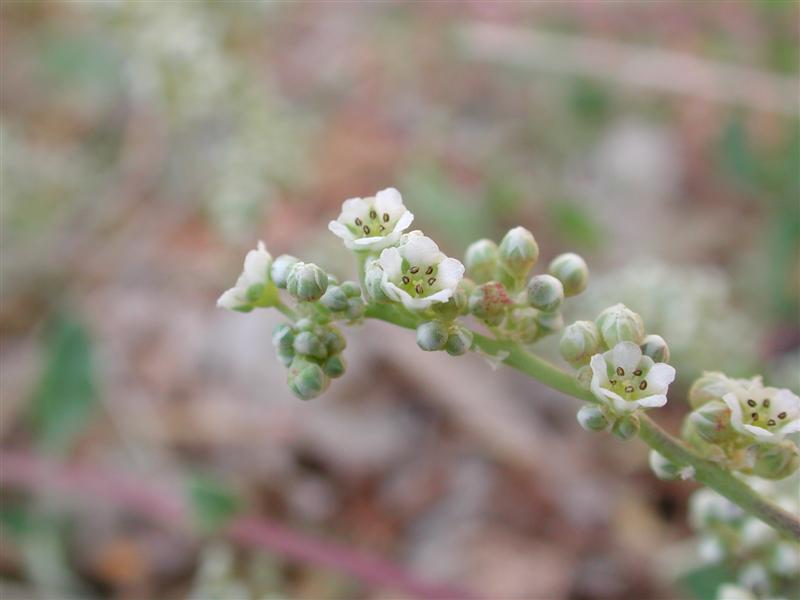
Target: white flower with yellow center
{"points": [[417, 273], [254, 286], [371, 224], [765, 413], [624, 379]]}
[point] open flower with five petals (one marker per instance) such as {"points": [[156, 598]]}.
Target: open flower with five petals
{"points": [[417, 273], [624, 380], [372, 224], [765, 413]]}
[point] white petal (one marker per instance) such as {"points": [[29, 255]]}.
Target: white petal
{"points": [[626, 355], [391, 262], [440, 296], [389, 202], [785, 401], [599, 370], [352, 208], [759, 432], [403, 222], [653, 401], [450, 273], [341, 230], [256, 265], [421, 250], [736, 410], [231, 299], [660, 376], [790, 427]]}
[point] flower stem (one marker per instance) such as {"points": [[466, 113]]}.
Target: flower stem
{"points": [[286, 311], [706, 472]]}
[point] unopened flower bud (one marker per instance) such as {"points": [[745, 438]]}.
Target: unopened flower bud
{"points": [[584, 377], [775, 461], [710, 386], [280, 269], [489, 302], [351, 289], [304, 324], [481, 260], [518, 252], [579, 342], [286, 356], [459, 341], [656, 348], [619, 323], [523, 325], [373, 282], [334, 299], [549, 322], [571, 270], [591, 418], [306, 379], [310, 345], [432, 336], [355, 308], [334, 366], [545, 292], [626, 428], [307, 282], [334, 341], [712, 422], [459, 302], [283, 336], [663, 468]]}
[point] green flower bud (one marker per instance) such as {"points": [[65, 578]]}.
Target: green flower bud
{"points": [[481, 260], [286, 356], [663, 468], [310, 345], [775, 461], [712, 422], [571, 270], [656, 348], [334, 299], [373, 282], [489, 302], [591, 418], [283, 336], [306, 379], [458, 304], [459, 341], [307, 282], [626, 428], [619, 323], [518, 252], [549, 322], [334, 366], [351, 289], [710, 386], [580, 342], [334, 341], [432, 336], [332, 280], [355, 308], [523, 325], [545, 292], [280, 269], [304, 324]]}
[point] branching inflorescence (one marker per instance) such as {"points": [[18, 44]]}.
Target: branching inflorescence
{"points": [[738, 428]]}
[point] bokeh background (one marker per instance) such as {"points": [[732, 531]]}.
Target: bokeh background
{"points": [[147, 145]]}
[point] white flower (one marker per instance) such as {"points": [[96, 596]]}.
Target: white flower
{"points": [[372, 224], [417, 273], [251, 284], [765, 413], [624, 379]]}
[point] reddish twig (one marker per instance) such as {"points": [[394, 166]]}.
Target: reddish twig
{"points": [[167, 508]]}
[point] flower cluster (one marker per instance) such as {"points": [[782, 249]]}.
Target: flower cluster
{"points": [[624, 369], [764, 564], [745, 425]]}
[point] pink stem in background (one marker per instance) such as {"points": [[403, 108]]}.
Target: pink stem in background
{"points": [[166, 507]]}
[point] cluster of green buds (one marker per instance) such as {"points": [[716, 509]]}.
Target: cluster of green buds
{"points": [[625, 369], [511, 305], [765, 565], [745, 425]]}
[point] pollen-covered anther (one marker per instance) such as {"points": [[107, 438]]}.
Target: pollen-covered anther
{"points": [[629, 389], [431, 280], [620, 371], [414, 270]]}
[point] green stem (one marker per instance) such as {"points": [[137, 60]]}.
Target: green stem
{"points": [[286, 311], [706, 472]]}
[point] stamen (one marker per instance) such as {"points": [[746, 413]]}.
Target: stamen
{"points": [[414, 270], [751, 402], [629, 389], [431, 280], [643, 385], [406, 280], [772, 423], [754, 416], [383, 228], [429, 271], [620, 371], [638, 372], [373, 214], [782, 415], [366, 229], [766, 403], [385, 217], [612, 381], [359, 222], [419, 289]]}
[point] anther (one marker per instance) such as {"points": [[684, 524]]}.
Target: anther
{"points": [[414, 270], [373, 214], [383, 228], [429, 271], [620, 371], [638, 372], [629, 389], [419, 288], [406, 280], [612, 381], [751, 402], [366, 229], [754, 416], [782, 415], [772, 423], [431, 280], [766, 403], [385, 217], [359, 222], [643, 385]]}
